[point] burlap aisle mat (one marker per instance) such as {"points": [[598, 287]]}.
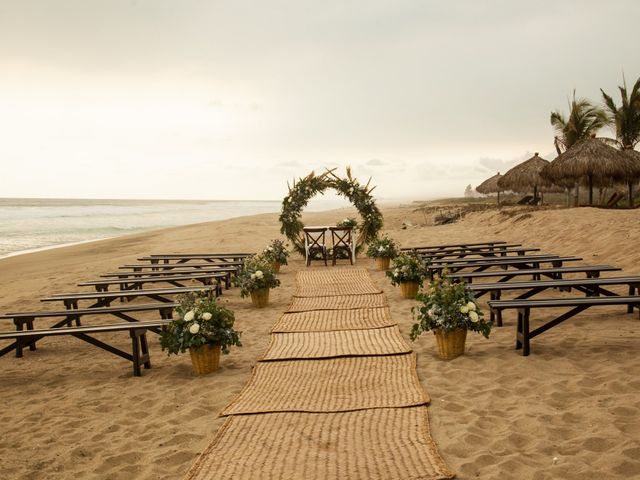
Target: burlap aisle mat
{"points": [[332, 276], [380, 444], [331, 385], [342, 302], [360, 288], [345, 343], [328, 320]]}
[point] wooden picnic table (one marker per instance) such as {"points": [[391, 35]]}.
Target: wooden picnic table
{"points": [[524, 334], [136, 283], [591, 271], [104, 299], [123, 312], [589, 286], [519, 262]]}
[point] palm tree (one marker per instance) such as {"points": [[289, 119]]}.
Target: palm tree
{"points": [[626, 118], [584, 121]]}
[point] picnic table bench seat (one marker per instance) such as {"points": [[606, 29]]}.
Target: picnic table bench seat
{"points": [[139, 355], [524, 334], [104, 299], [591, 271], [123, 312], [176, 280], [588, 286]]}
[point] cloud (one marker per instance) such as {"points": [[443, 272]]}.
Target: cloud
{"points": [[375, 162]]}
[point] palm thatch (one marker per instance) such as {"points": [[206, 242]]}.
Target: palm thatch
{"points": [[490, 185], [525, 177], [594, 162]]}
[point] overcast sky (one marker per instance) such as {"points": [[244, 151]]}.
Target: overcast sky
{"points": [[229, 100]]}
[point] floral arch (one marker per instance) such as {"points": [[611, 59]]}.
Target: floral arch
{"points": [[306, 188]]}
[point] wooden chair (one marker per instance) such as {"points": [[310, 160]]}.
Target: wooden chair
{"points": [[341, 238], [314, 244]]}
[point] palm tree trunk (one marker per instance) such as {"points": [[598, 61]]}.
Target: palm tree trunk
{"points": [[590, 189], [535, 195], [630, 194]]}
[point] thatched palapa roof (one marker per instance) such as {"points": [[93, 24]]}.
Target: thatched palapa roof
{"points": [[525, 176], [594, 160], [490, 185]]}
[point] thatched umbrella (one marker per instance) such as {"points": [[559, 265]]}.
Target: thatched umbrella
{"points": [[525, 177], [593, 160], [490, 185]]}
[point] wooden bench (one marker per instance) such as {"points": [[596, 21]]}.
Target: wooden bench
{"points": [[591, 271], [524, 334], [227, 271], [184, 267], [26, 319], [178, 258], [139, 355], [175, 280], [482, 254], [518, 262], [589, 286], [459, 246], [104, 299]]}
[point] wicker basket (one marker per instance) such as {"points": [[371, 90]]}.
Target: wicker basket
{"points": [[451, 343], [409, 289], [382, 263], [276, 266], [260, 298], [205, 359]]}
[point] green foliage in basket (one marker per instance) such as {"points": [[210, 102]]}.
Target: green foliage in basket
{"points": [[201, 320], [447, 305], [256, 274], [407, 267], [383, 247], [276, 252]]}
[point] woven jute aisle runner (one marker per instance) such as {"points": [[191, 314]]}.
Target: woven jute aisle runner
{"points": [[336, 395]]}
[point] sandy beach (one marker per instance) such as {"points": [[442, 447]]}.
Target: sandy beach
{"points": [[571, 410]]}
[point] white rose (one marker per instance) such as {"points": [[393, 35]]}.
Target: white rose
{"points": [[381, 248], [253, 276], [471, 306], [206, 316], [464, 309], [195, 328], [473, 316], [190, 315], [259, 274]]}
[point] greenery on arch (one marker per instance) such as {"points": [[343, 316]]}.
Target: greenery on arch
{"points": [[306, 188]]}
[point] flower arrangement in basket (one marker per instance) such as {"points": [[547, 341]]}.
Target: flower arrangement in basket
{"points": [[256, 279], [277, 253], [383, 249], [407, 270], [203, 327], [448, 309]]}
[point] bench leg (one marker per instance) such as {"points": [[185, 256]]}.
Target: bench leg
{"points": [[522, 333], [632, 292], [140, 351]]}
